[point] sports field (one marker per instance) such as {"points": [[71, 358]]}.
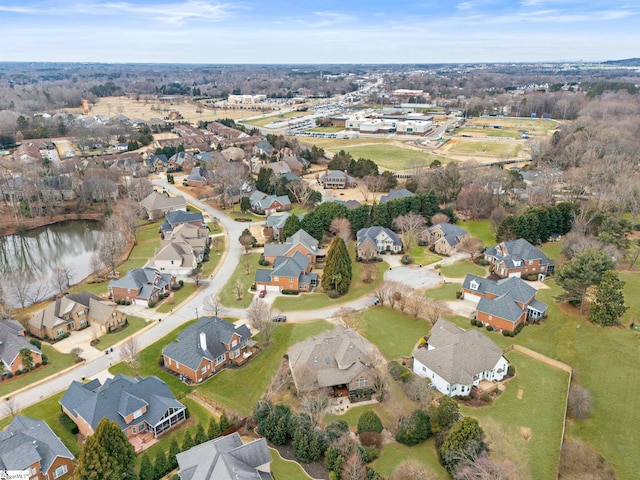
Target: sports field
{"points": [[392, 157], [487, 148], [278, 117], [507, 127]]}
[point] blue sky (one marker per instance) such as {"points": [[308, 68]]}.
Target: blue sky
{"points": [[300, 31]]}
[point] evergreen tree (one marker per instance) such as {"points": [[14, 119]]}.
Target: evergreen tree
{"points": [[381, 216], [161, 465], [224, 422], [188, 442], [608, 306], [147, 472], [263, 182], [446, 414], [291, 226], [106, 455], [201, 436], [337, 270], [245, 204], [174, 450], [214, 429], [465, 439]]}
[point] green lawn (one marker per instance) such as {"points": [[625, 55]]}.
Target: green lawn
{"points": [[239, 389], [552, 250], [338, 144], [97, 288], [214, 260], [179, 296], [57, 362], [109, 339], [480, 148], [393, 454], [392, 156], [480, 229], [445, 292], [313, 301], [376, 323], [326, 129], [284, 469], [460, 270], [279, 117], [423, 256], [297, 209], [228, 294], [541, 409], [631, 297]]}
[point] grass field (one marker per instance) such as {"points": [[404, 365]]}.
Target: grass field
{"points": [[57, 362], [338, 144], [214, 260], [460, 270], [479, 148], [326, 129], [228, 295], [179, 296], [376, 323], [278, 117], [480, 229], [543, 390], [109, 339], [422, 255], [281, 468], [510, 126], [445, 292], [392, 157], [239, 389]]}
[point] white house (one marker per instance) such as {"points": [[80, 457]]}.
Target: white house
{"points": [[455, 360], [377, 240]]}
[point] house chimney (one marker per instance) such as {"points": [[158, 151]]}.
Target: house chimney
{"points": [[203, 341]]}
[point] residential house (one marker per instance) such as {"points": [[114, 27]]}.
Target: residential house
{"points": [[288, 273], [279, 168], [206, 347], [263, 148], [12, 341], [140, 406], [198, 238], [174, 257], [181, 162], [268, 204], [517, 258], [157, 205], [301, 242], [337, 179], [445, 237], [373, 241], [226, 458], [456, 360], [198, 177], [395, 195], [75, 311], [339, 361], [29, 445], [503, 304], [141, 286], [179, 217], [157, 163], [274, 224]]}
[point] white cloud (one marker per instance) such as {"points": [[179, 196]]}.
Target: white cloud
{"points": [[465, 6], [329, 19]]}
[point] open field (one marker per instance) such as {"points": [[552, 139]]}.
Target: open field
{"points": [[146, 109], [110, 339], [392, 157], [460, 270], [278, 117], [446, 292], [510, 126], [338, 144], [480, 148], [228, 295], [480, 229]]}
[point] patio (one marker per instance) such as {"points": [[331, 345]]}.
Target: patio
{"points": [[142, 442]]}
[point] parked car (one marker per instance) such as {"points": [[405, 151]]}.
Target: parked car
{"points": [[279, 318], [262, 293]]}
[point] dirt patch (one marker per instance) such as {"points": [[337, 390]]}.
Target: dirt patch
{"points": [[525, 432], [520, 394]]}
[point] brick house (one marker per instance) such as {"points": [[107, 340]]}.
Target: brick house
{"points": [[29, 445], [515, 258], [288, 273], [75, 311], [207, 347], [503, 304], [138, 405], [12, 340], [373, 241], [180, 217], [274, 224], [445, 237], [337, 179], [301, 242], [268, 204], [141, 286]]}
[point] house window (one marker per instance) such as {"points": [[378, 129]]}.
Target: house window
{"points": [[234, 343], [203, 370], [83, 322], [361, 382], [61, 470], [59, 332], [275, 279], [134, 430], [32, 472], [220, 359], [137, 414]]}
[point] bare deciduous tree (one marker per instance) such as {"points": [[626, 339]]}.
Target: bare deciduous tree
{"points": [[472, 246], [439, 218], [76, 352], [579, 402], [216, 243], [213, 305], [412, 470], [246, 240], [10, 407], [111, 243], [301, 191], [369, 271], [417, 304], [61, 277], [342, 228], [435, 310], [238, 289], [481, 467], [129, 354], [314, 404], [382, 293], [246, 264], [410, 225], [354, 468], [348, 317]]}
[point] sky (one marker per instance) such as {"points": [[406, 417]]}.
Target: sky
{"points": [[325, 31]]}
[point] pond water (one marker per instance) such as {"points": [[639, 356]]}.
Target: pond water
{"points": [[32, 257]]}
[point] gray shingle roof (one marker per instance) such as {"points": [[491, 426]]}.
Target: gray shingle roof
{"points": [[225, 458], [503, 307], [159, 201], [515, 287], [173, 219], [396, 194], [187, 349], [292, 266], [371, 233], [452, 233], [458, 355], [513, 251], [142, 280], [94, 401], [28, 440], [12, 340]]}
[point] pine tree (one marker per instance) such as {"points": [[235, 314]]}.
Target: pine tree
{"points": [[608, 305], [188, 442], [291, 226], [147, 472], [105, 455], [214, 429], [337, 270], [224, 422], [161, 465], [201, 436], [174, 449]]}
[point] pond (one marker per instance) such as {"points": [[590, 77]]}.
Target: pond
{"points": [[28, 260]]}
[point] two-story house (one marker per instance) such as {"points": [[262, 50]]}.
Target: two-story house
{"points": [[207, 347], [445, 237], [301, 242], [517, 258], [268, 204], [503, 304], [372, 241], [288, 273], [157, 204], [180, 217], [12, 341], [141, 286], [337, 179]]}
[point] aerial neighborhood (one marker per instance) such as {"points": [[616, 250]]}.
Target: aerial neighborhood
{"points": [[374, 272]]}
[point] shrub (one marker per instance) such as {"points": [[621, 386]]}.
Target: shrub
{"points": [[152, 304], [368, 454], [181, 283], [511, 370], [333, 294], [506, 333], [290, 292], [369, 422], [36, 342], [473, 322], [371, 439], [397, 371], [489, 328], [263, 262], [406, 375], [458, 294], [67, 423], [486, 398], [406, 259], [414, 429], [45, 359]]}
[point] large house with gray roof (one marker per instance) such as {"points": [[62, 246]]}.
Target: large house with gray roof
{"points": [[141, 286], [29, 445], [156, 205], [179, 217], [226, 458], [75, 311], [456, 360], [445, 237], [337, 179], [268, 204], [12, 340], [288, 273], [517, 258], [504, 304], [339, 360], [140, 406], [301, 242], [208, 346], [396, 195], [373, 241]]}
